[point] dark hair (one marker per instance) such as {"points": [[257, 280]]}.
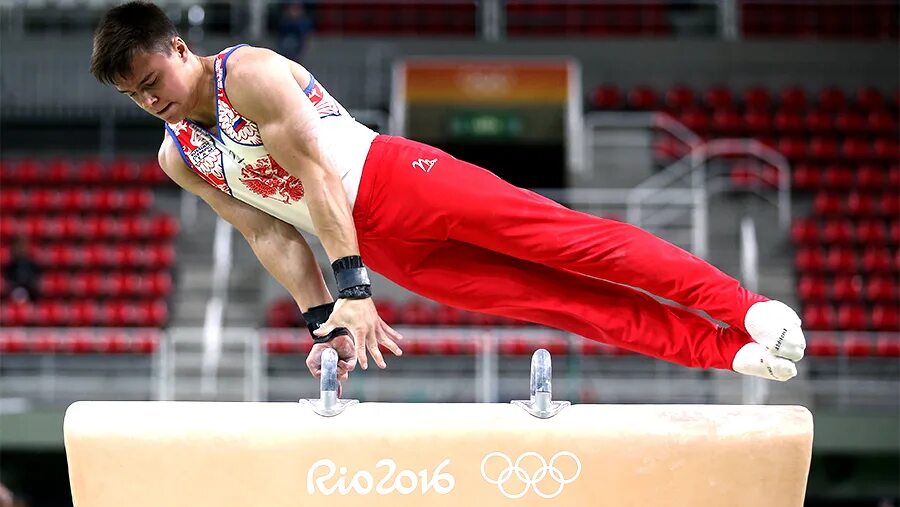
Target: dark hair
{"points": [[124, 31]]}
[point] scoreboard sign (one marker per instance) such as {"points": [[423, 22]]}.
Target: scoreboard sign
{"points": [[482, 100]]}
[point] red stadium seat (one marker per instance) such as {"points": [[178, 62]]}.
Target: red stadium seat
{"points": [[805, 230], [832, 99], [856, 149], [83, 313], [886, 317], [718, 97], [824, 149], [788, 122], [123, 171], [54, 284], [881, 122], [887, 346], [827, 203], [113, 342], [850, 122], [861, 204], [163, 227], [894, 231], [886, 148], [757, 98], [793, 98], [806, 177], [44, 342], [727, 122], [696, 119], [679, 97], [838, 231], [819, 122], [145, 342], [857, 346], [847, 288], [823, 346], [851, 316], [757, 122], [642, 97], [818, 317], [882, 288], [870, 232], [836, 177], [811, 288], [791, 147], [810, 260], [870, 177], [50, 313], [12, 341], [889, 204], [870, 98], [876, 260], [606, 97], [840, 260]]}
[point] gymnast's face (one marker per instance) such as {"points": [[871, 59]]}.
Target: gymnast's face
{"points": [[161, 82]]}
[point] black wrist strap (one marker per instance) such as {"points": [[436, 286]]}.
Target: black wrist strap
{"points": [[352, 278], [318, 315]]}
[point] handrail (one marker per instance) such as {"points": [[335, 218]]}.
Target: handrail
{"points": [[691, 170], [215, 307]]}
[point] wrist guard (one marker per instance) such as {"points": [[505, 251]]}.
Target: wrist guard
{"points": [[318, 315], [352, 278]]}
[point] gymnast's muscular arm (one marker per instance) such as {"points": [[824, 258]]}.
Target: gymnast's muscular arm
{"points": [[278, 245], [263, 89]]}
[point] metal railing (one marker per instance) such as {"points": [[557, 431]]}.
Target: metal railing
{"points": [[677, 196]]}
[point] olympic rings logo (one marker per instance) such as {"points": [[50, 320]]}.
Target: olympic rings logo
{"points": [[533, 479]]}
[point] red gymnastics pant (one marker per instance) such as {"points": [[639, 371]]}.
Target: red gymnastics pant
{"points": [[456, 233]]}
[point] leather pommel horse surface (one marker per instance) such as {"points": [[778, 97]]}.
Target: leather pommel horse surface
{"points": [[156, 454]]}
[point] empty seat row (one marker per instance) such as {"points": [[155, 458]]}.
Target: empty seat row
{"points": [[104, 284], [789, 100], [865, 176], [873, 19], [78, 341], [858, 204], [441, 17], [813, 123], [579, 18], [849, 288], [101, 256], [851, 316], [840, 259], [89, 227], [865, 232], [54, 313], [58, 172], [46, 200], [853, 150]]}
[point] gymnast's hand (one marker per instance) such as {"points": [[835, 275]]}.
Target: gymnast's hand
{"points": [[343, 344], [368, 330]]}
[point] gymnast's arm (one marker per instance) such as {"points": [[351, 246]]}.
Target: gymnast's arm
{"points": [[278, 245]]}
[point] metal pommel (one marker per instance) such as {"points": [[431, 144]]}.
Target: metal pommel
{"points": [[329, 404], [541, 404]]}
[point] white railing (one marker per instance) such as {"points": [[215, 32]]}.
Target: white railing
{"points": [[684, 187]]}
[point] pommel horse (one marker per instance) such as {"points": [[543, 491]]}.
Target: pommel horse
{"points": [[534, 452]]}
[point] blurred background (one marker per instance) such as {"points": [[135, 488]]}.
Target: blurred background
{"points": [[759, 134]]}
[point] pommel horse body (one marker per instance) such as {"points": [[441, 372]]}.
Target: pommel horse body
{"points": [[338, 453]]}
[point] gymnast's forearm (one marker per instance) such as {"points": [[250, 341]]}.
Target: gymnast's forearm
{"points": [[287, 257]]}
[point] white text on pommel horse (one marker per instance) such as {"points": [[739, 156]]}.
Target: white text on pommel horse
{"points": [[321, 478]]}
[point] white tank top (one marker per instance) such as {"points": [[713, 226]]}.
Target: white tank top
{"points": [[235, 161]]}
